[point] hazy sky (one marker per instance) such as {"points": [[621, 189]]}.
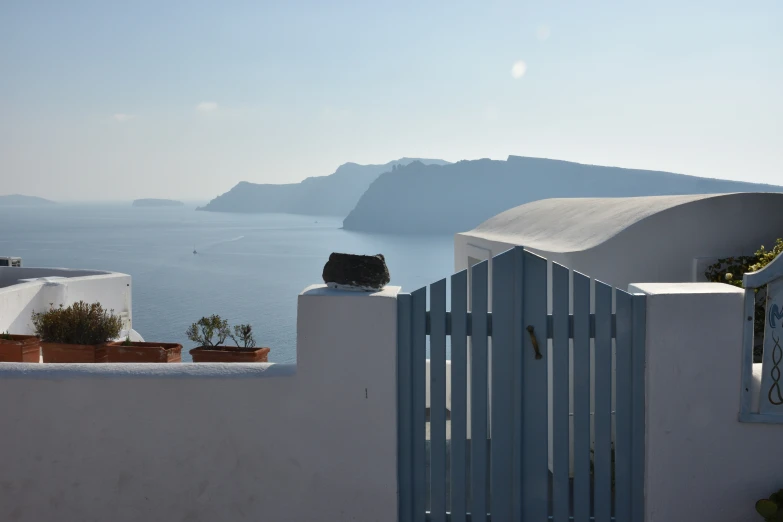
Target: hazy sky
{"points": [[118, 100]]}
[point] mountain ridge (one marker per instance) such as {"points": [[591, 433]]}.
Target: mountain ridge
{"points": [[20, 200], [459, 196], [156, 202], [334, 194]]}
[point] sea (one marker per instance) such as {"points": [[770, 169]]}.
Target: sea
{"points": [[249, 268]]}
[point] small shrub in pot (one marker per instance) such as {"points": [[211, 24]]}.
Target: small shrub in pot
{"points": [[211, 332], [243, 333], [76, 333]]}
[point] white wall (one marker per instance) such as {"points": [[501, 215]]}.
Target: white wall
{"points": [[448, 385], [662, 247], [11, 276], [701, 462], [209, 442], [19, 300]]}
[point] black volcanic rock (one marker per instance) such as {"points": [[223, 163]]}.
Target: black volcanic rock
{"points": [[365, 272]]}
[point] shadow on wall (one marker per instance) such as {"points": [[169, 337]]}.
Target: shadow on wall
{"points": [[11, 276]]}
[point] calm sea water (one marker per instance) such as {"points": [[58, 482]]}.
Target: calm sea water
{"points": [[249, 268]]}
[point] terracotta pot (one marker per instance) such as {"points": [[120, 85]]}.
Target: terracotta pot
{"points": [[73, 353], [229, 354], [120, 352], [20, 348]]}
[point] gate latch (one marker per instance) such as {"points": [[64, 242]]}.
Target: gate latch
{"points": [[533, 340]]}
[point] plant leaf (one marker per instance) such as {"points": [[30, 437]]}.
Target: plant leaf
{"points": [[766, 508]]}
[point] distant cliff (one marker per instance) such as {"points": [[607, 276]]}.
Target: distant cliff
{"points": [[18, 200], [332, 195], [457, 197], [157, 203]]}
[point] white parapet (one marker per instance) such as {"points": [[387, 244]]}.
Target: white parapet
{"points": [[701, 462], [208, 442]]}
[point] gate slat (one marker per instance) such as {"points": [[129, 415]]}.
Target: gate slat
{"points": [[581, 377], [519, 333], [478, 392], [602, 419], [404, 407], [637, 428], [623, 406], [535, 416], [501, 399], [459, 386], [438, 401], [418, 364], [560, 393]]}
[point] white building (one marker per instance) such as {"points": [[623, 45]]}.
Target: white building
{"points": [[620, 241], [27, 290]]}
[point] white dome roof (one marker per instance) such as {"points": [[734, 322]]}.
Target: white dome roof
{"points": [[576, 224]]}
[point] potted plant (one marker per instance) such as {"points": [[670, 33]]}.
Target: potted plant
{"points": [[211, 332], [128, 351], [76, 334], [19, 348]]}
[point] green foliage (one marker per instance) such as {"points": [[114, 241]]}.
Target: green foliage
{"points": [[80, 323], [209, 331], [127, 341], [764, 257], [243, 334], [213, 331], [771, 509], [730, 271], [5, 336]]}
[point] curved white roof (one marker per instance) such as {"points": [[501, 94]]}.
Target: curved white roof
{"points": [[576, 224]]}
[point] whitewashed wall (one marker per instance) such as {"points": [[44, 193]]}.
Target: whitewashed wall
{"points": [[56, 286], [448, 385], [11, 276], [701, 462], [209, 442], [663, 247], [318, 441]]}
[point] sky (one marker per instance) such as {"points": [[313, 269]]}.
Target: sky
{"points": [[104, 100]]}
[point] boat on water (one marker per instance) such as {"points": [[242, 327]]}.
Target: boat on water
{"points": [[194, 251]]}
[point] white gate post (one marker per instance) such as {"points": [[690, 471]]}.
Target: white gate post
{"points": [[347, 357]]}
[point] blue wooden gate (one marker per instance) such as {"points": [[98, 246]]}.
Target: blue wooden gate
{"points": [[502, 362]]}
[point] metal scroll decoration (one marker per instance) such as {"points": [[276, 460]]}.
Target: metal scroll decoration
{"points": [[775, 314], [771, 277], [774, 395], [773, 353]]}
